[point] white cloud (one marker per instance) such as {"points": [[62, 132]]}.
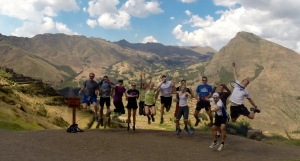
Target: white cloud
{"points": [[187, 12], [140, 8], [36, 15], [114, 21], [268, 19], [188, 1], [111, 17], [84, 9], [149, 39], [172, 18], [91, 23]]}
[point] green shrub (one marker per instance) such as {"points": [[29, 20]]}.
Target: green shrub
{"points": [[59, 121]]}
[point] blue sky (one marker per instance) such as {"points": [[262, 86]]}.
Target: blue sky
{"points": [[171, 22]]}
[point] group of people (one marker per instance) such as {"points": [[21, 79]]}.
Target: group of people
{"points": [[148, 94]]}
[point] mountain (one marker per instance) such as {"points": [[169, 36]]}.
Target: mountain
{"points": [[60, 58], [273, 71]]}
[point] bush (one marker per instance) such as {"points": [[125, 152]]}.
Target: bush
{"points": [[56, 101], [59, 121]]}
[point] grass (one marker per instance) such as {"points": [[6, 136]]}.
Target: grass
{"points": [[11, 126], [225, 76], [276, 139]]}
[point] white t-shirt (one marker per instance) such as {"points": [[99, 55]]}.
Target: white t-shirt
{"points": [[222, 111], [238, 94], [183, 99], [166, 89]]}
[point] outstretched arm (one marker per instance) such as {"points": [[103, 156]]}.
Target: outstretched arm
{"points": [[227, 89], [141, 81], [252, 102], [234, 71]]}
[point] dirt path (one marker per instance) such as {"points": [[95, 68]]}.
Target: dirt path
{"points": [[118, 144]]}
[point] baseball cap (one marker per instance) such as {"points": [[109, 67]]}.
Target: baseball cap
{"points": [[215, 95], [105, 75]]}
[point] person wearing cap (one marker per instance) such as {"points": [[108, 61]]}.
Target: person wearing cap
{"points": [[132, 96], [90, 88], [105, 93], [166, 96], [221, 120], [237, 107], [203, 90]]}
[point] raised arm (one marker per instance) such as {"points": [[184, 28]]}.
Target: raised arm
{"points": [[227, 89], [141, 81], [234, 71], [215, 87], [150, 79], [173, 85]]}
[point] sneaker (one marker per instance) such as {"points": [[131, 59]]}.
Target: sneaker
{"points": [[101, 121], [186, 130], [221, 147], [192, 131], [218, 134], [214, 144], [178, 130], [255, 110], [133, 127], [161, 120], [108, 112], [197, 122], [96, 119], [149, 120], [153, 119]]}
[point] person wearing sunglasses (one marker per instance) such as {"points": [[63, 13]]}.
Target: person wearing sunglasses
{"points": [[90, 88], [203, 90]]}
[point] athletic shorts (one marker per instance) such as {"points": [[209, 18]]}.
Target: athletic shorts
{"points": [[132, 105], [203, 104], [219, 120], [89, 99], [104, 100], [166, 101], [119, 107], [184, 110], [150, 105], [235, 111]]}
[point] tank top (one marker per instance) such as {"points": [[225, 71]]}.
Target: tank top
{"points": [[142, 95], [182, 100], [149, 97]]}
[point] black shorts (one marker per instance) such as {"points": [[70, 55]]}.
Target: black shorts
{"points": [[183, 111], [235, 111], [219, 120], [166, 101], [150, 105], [203, 104], [132, 105], [104, 100], [141, 108]]}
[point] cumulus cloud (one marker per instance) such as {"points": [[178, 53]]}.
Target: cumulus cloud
{"points": [[111, 17], [91, 23], [37, 15], [268, 19], [188, 1], [172, 18], [140, 8], [149, 39]]}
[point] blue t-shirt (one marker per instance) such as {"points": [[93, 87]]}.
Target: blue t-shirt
{"points": [[204, 90]]}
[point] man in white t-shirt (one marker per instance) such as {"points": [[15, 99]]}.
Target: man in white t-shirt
{"points": [[237, 107], [166, 96]]}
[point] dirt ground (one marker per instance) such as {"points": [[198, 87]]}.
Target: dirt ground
{"points": [[118, 144]]}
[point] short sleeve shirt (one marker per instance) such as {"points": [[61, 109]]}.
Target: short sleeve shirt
{"points": [[166, 88], [204, 90], [238, 93], [90, 87]]}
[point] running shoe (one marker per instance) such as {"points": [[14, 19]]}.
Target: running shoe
{"points": [[96, 119], [161, 120], [133, 127], [128, 127], [108, 112], [186, 130], [178, 130], [218, 134], [221, 147], [214, 144], [197, 122], [149, 120], [255, 110], [153, 119], [192, 131]]}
